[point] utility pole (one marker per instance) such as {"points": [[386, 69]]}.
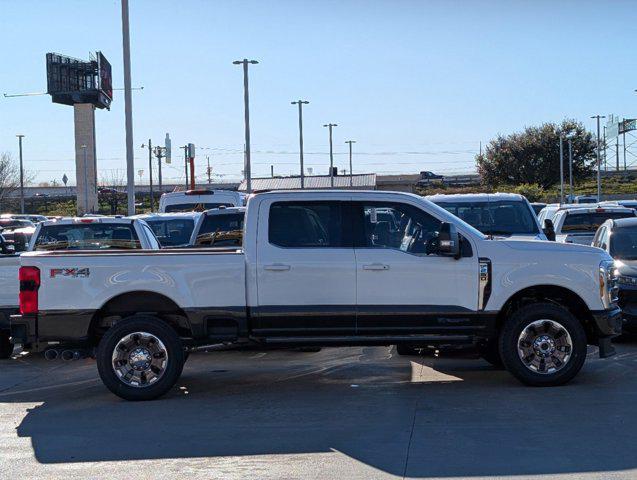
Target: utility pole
{"points": [[351, 179], [185, 147], [246, 103], [570, 169], [158, 154], [272, 171], [599, 172], [150, 172], [300, 103], [20, 137], [330, 126], [561, 169], [128, 111], [624, 142], [617, 153], [208, 170]]}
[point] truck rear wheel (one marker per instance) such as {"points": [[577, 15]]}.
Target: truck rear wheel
{"points": [[543, 345], [6, 347], [140, 358]]}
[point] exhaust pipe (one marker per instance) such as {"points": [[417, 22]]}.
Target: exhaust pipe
{"points": [[51, 354], [70, 355]]}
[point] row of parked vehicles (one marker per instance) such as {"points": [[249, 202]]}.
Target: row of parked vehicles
{"points": [[319, 268]]}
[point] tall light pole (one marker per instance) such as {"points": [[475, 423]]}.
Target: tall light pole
{"points": [[351, 179], [246, 101], [128, 112], [561, 169], [300, 103], [570, 169], [599, 173], [20, 137], [330, 126], [150, 170]]}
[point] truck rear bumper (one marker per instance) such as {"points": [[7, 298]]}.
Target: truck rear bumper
{"points": [[24, 330]]}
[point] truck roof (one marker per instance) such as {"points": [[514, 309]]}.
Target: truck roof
{"points": [[80, 220], [475, 197]]}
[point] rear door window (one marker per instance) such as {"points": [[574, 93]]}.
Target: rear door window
{"points": [[89, 236], [589, 222], [174, 232], [316, 224]]}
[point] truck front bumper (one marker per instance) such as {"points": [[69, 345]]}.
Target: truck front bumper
{"points": [[607, 324]]}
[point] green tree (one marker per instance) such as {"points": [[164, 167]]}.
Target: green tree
{"points": [[533, 156]]}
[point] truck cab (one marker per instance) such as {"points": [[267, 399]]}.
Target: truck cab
{"points": [[199, 200]]}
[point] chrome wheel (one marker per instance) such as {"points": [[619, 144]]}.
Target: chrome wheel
{"points": [[139, 359], [545, 346]]}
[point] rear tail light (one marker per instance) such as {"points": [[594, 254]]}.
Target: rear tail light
{"points": [[29, 285]]}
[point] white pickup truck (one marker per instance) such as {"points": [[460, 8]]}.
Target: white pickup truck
{"points": [[318, 268]]}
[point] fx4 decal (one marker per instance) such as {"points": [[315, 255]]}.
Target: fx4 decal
{"points": [[69, 272]]}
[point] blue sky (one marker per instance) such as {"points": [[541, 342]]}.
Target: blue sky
{"points": [[418, 84]]}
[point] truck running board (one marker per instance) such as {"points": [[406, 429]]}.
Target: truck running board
{"points": [[369, 339]]}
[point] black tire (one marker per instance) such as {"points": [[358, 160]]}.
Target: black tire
{"points": [[407, 350], [155, 327], [523, 318], [490, 351], [6, 347]]}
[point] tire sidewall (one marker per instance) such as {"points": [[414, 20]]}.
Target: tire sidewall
{"points": [[140, 323], [526, 315]]}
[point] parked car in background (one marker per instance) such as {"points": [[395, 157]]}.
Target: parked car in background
{"points": [[619, 239], [537, 207], [199, 200], [94, 233], [219, 227], [35, 219], [585, 199], [623, 203], [171, 229], [578, 225], [17, 232], [500, 215]]}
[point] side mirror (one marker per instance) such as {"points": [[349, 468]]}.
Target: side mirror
{"points": [[549, 229], [449, 240]]}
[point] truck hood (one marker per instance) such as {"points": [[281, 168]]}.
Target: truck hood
{"points": [[520, 236], [525, 250]]}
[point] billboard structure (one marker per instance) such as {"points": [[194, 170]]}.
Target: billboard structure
{"points": [[86, 85], [70, 81], [620, 141]]}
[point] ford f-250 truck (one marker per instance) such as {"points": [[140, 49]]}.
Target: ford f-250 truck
{"points": [[324, 268]]}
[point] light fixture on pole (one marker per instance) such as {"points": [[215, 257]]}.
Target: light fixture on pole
{"points": [[246, 101], [351, 179], [599, 173], [330, 126], [300, 103], [20, 137]]}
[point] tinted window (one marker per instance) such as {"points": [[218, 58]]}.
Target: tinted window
{"points": [[398, 226], [89, 236], [195, 207], [586, 222], [623, 243], [15, 223], [224, 230], [171, 233], [495, 217], [306, 224]]}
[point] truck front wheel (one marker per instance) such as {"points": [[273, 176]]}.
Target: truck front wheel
{"points": [[140, 358], [543, 345], [6, 347]]}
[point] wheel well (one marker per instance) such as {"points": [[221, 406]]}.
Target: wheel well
{"points": [[131, 303], [552, 294]]}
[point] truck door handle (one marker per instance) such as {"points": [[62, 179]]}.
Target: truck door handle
{"points": [[276, 267], [376, 266]]}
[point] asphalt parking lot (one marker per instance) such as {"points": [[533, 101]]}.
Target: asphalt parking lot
{"points": [[351, 413]]}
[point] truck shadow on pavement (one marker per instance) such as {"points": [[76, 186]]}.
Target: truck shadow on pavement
{"points": [[395, 414]]}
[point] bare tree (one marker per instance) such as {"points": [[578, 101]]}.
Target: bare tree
{"points": [[9, 176], [110, 189]]}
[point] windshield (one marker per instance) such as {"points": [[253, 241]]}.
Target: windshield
{"points": [[195, 207], [589, 222], [172, 232], [221, 230], [15, 223], [623, 243], [500, 217], [92, 236]]}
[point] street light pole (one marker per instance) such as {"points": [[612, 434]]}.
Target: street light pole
{"points": [[570, 169], [246, 103], [599, 173], [561, 169], [128, 112], [20, 137], [300, 103], [351, 179], [330, 126]]}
